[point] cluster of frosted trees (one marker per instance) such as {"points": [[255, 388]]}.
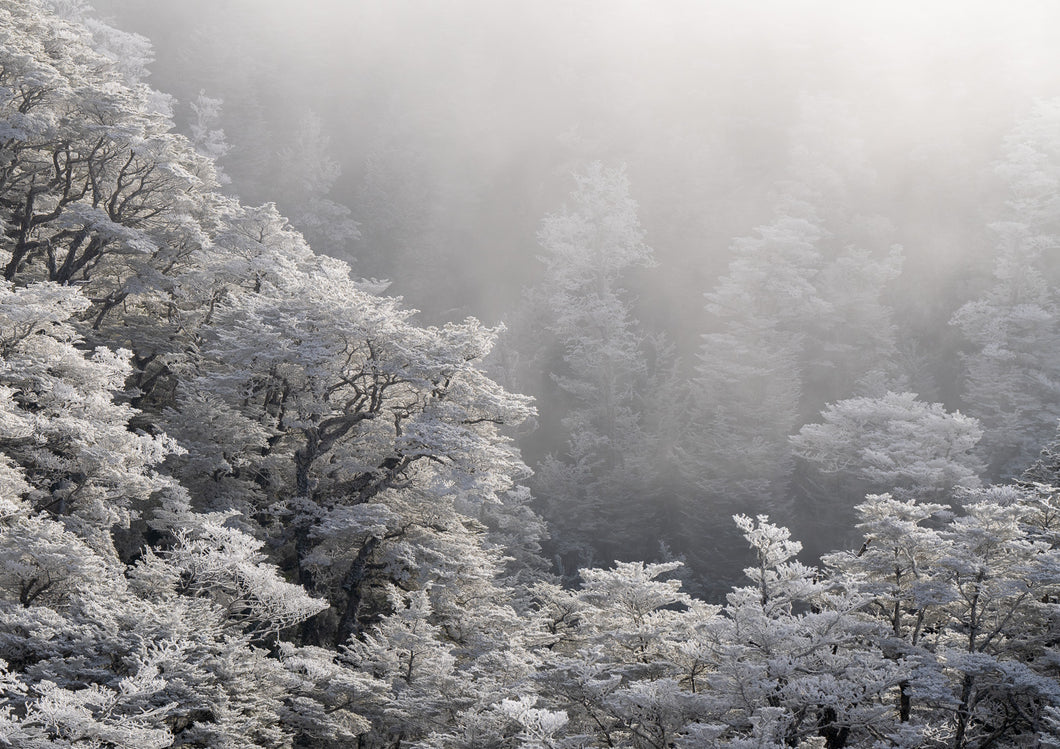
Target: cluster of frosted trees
{"points": [[246, 501], [804, 395]]}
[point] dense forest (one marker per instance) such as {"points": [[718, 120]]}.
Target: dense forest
{"points": [[757, 447]]}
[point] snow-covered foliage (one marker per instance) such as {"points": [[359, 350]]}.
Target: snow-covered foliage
{"points": [[1011, 384], [197, 410], [895, 440], [246, 501], [800, 310], [601, 492]]}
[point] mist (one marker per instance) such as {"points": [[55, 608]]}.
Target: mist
{"points": [[478, 112], [448, 132]]}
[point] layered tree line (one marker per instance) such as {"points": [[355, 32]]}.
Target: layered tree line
{"points": [[812, 384], [248, 500]]}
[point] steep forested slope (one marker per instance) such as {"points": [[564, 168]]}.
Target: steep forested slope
{"points": [[247, 501], [251, 415]]}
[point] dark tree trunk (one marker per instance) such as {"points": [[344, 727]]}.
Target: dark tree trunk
{"points": [[351, 586]]}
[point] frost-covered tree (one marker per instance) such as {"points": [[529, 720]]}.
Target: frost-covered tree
{"points": [[143, 654], [892, 569], [325, 437], [896, 443], [207, 137], [380, 438], [415, 666], [307, 172], [94, 184], [631, 660], [969, 602], [130, 53], [597, 488], [625, 657], [1010, 374], [793, 660], [62, 428], [748, 383], [799, 314], [1002, 575]]}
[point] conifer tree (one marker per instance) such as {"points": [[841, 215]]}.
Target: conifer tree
{"points": [[595, 492], [1010, 381]]}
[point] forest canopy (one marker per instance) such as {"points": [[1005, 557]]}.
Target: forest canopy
{"points": [[249, 499]]}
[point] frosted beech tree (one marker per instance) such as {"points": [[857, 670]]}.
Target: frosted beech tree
{"points": [[1008, 385], [748, 383], [72, 470], [415, 678], [1003, 582], [123, 663], [893, 568], [62, 427], [631, 660], [625, 658], [853, 349], [747, 388], [130, 53], [376, 431], [792, 659], [206, 136], [1045, 471], [894, 442], [1010, 382], [409, 656], [94, 184], [969, 601]]}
